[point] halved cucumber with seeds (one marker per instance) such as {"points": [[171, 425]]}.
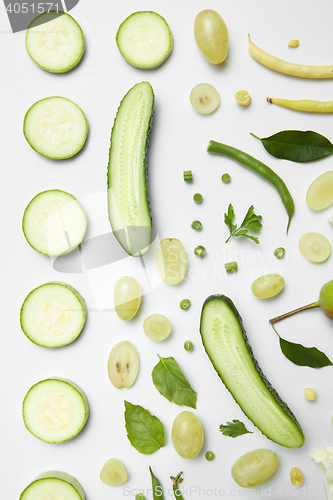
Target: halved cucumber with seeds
{"points": [[54, 223], [54, 41], [128, 205], [53, 315], [55, 410], [55, 127], [53, 485], [144, 39]]}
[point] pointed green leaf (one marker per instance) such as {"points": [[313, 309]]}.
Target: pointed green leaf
{"points": [[297, 145], [303, 356], [170, 381], [144, 431]]}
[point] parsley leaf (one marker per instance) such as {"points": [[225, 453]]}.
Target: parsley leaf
{"points": [[234, 429], [251, 222]]}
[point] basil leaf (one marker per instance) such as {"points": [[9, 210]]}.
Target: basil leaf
{"points": [[170, 381], [303, 356], [297, 145], [144, 431]]}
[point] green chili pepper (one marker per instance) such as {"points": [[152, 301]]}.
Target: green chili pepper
{"points": [[156, 485], [175, 483], [258, 167]]}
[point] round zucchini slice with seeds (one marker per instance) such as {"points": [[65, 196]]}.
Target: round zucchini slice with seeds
{"points": [[55, 127], [54, 41], [55, 410], [144, 40], [53, 315], [54, 223], [53, 485]]}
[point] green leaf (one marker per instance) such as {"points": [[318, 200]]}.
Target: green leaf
{"points": [[170, 381], [144, 431], [303, 356], [234, 429], [251, 222], [297, 145]]}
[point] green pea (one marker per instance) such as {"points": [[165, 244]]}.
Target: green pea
{"points": [[197, 197], [226, 178], [196, 224], [188, 345], [210, 456]]}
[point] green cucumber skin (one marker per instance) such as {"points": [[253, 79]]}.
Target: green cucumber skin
{"points": [[69, 68], [54, 157], [64, 476], [76, 293], [79, 390], [146, 148], [268, 385]]}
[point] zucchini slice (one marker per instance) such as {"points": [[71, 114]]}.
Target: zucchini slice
{"points": [[54, 223], [53, 485], [55, 410], [226, 344], [55, 127], [54, 41], [128, 205], [53, 315], [144, 40]]}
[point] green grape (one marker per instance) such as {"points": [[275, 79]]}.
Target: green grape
{"points": [[127, 297], [187, 435], [113, 473], [254, 468], [211, 36], [188, 345], [267, 286]]}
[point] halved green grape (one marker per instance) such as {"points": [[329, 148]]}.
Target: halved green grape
{"points": [[211, 36], [254, 468], [314, 247], [320, 192], [127, 297], [171, 260], [157, 327], [123, 364], [267, 286], [187, 434], [205, 98], [113, 473]]}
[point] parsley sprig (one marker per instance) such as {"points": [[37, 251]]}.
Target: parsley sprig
{"points": [[251, 222], [234, 429]]}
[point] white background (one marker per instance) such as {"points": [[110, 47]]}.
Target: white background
{"points": [[178, 143]]}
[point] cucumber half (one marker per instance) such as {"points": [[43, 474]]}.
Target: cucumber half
{"points": [[227, 346], [144, 39], [55, 410], [54, 41], [53, 315], [55, 127], [54, 223], [128, 205], [53, 485]]}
